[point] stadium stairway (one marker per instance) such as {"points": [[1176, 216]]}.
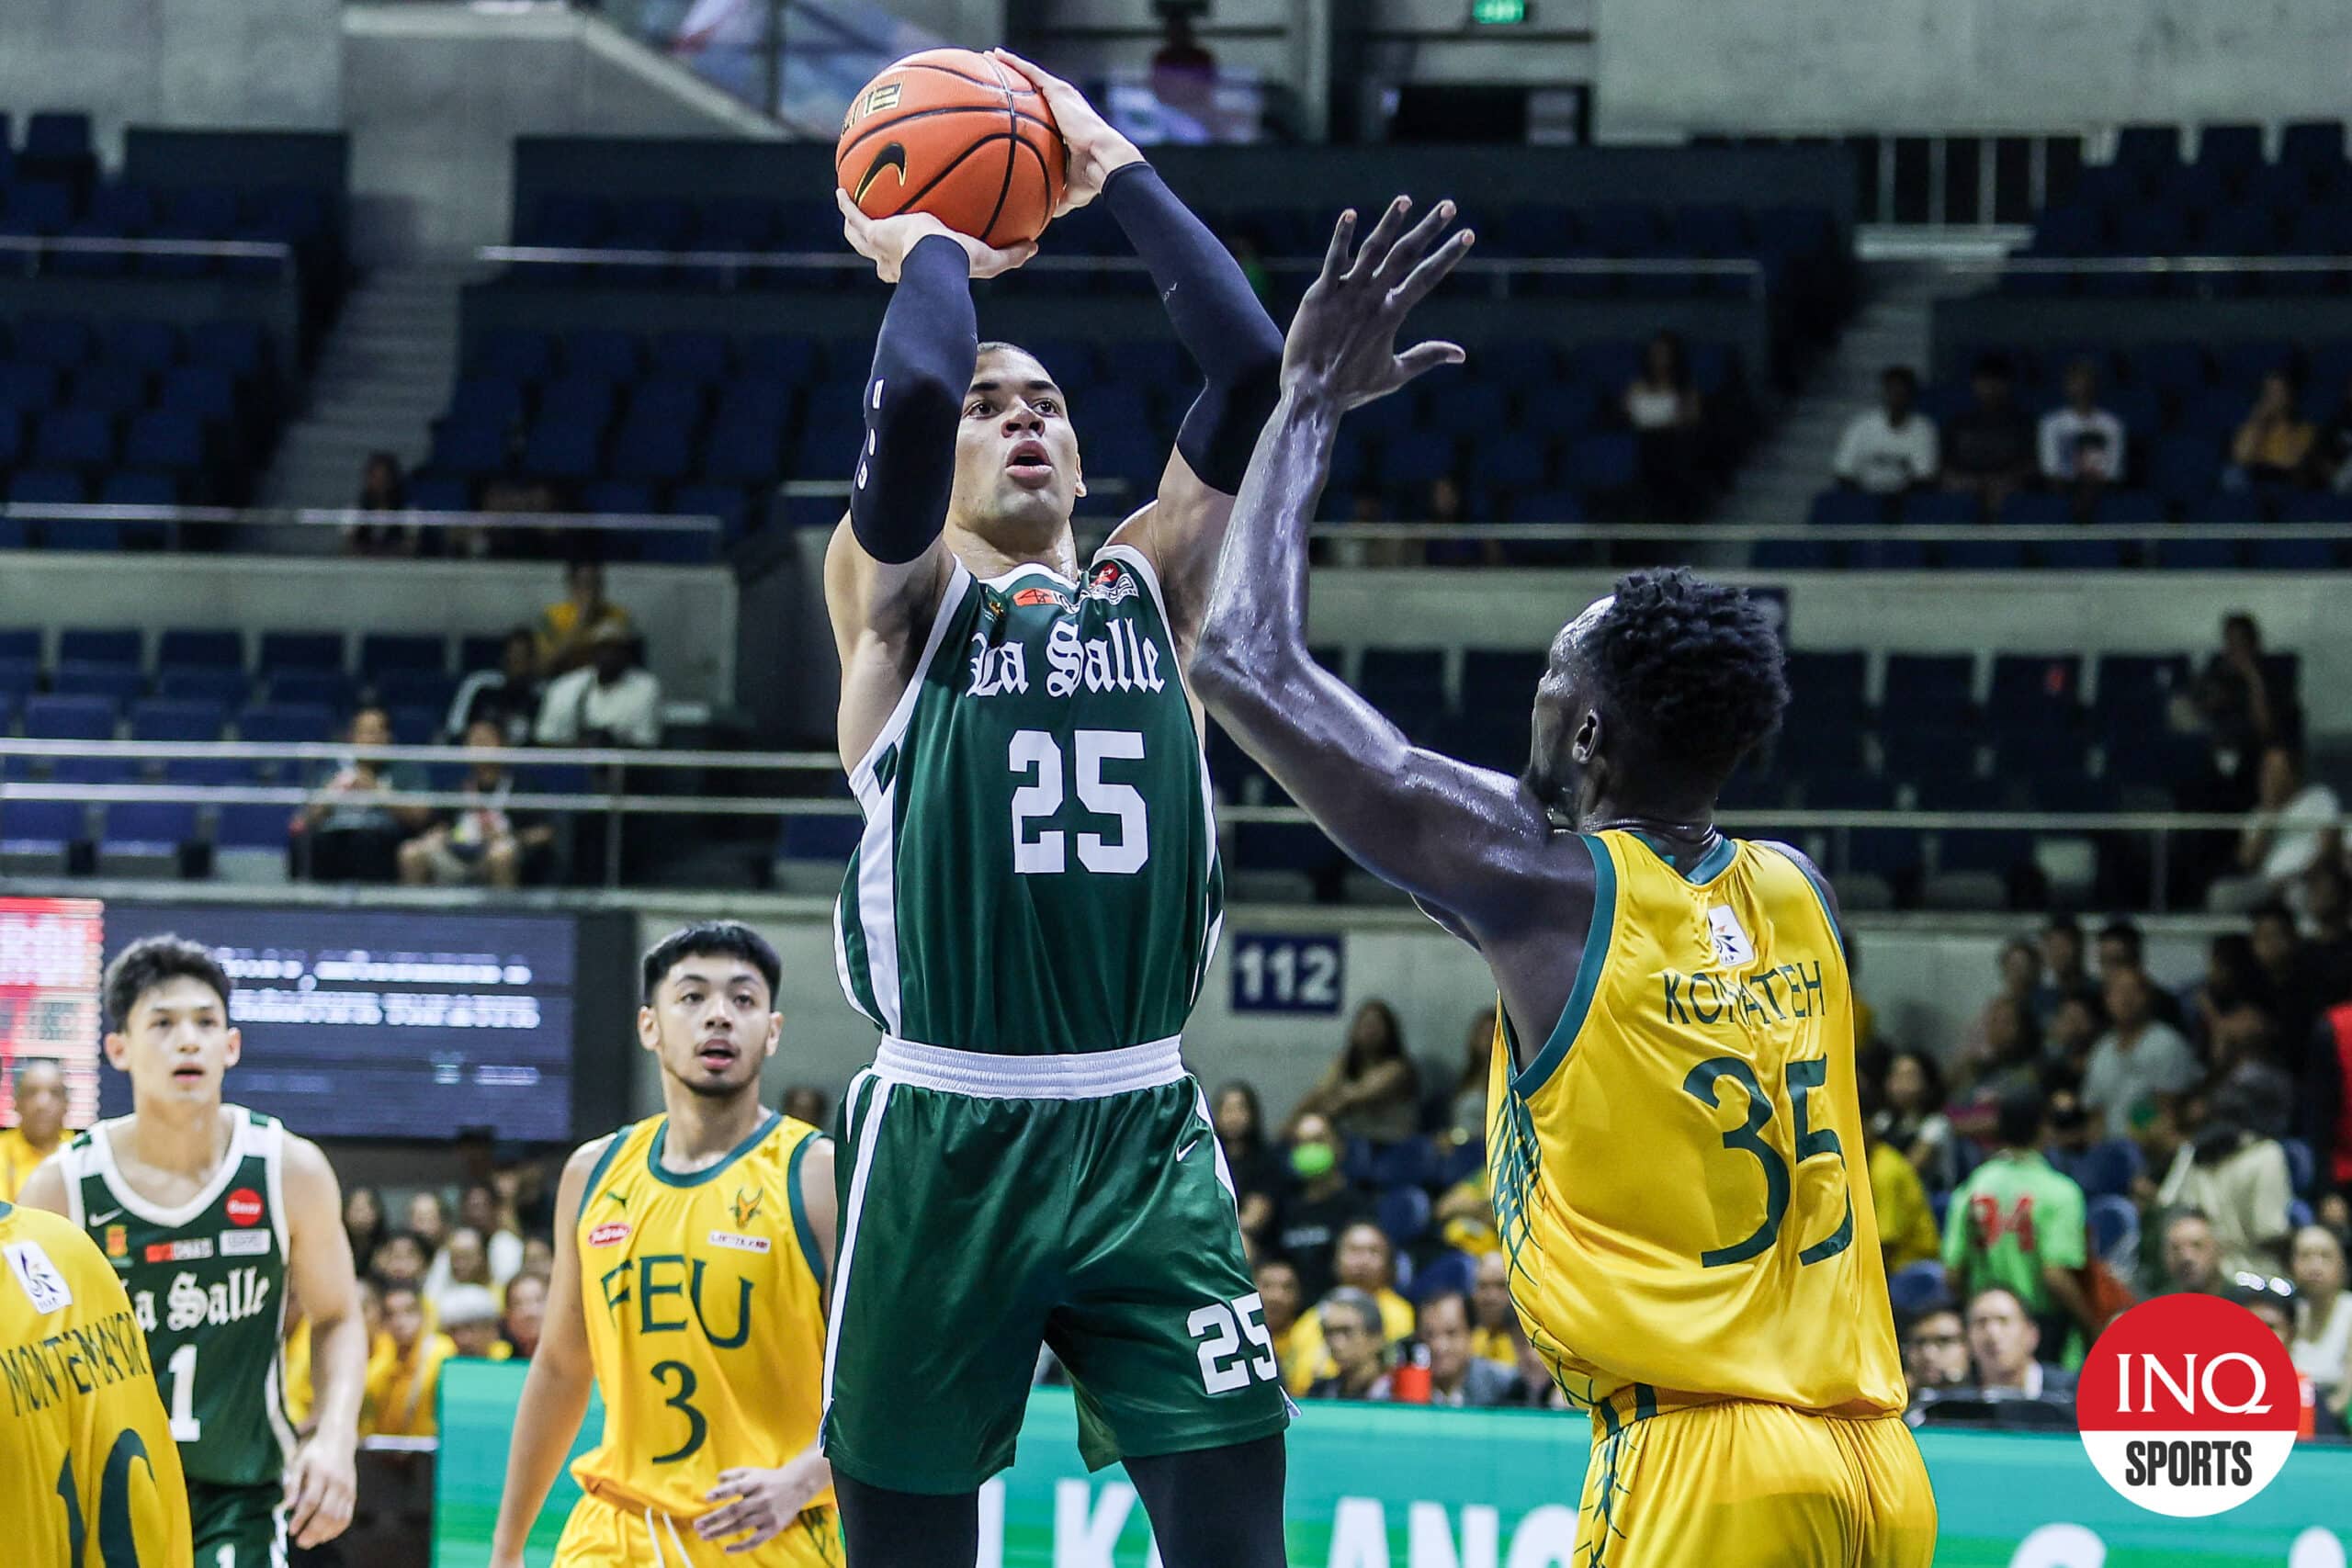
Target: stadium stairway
{"points": [[1790, 463], [383, 374]]}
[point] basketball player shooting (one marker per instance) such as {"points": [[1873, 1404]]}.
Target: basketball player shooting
{"points": [[1672, 1104], [1029, 914]]}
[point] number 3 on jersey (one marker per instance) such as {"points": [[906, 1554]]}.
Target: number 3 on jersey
{"points": [[1037, 756], [1803, 1078]]}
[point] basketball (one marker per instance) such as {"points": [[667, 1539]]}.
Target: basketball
{"points": [[960, 136]]}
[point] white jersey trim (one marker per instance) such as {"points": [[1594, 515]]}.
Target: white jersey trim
{"points": [[853, 1210], [102, 1161], [1092, 1075], [861, 777]]}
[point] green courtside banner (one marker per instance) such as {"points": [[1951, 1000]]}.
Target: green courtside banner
{"points": [[1391, 1486]]}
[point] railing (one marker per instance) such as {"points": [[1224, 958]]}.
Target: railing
{"points": [[1498, 271], [610, 796], [173, 520], [34, 248]]}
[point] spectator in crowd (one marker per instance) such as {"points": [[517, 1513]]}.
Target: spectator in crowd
{"points": [[382, 488], [1371, 1089], [37, 1090], [1494, 1321], [2322, 1342], [2291, 985], [1448, 508], [2245, 1070], [2139, 1058], [567, 629], [1457, 1378], [402, 1259], [1935, 1353], [1907, 1220], [2318, 1419], [2082, 445], [1365, 1261], [1465, 1215], [470, 1317], [481, 1207], [507, 697], [363, 1225], [1319, 1205], [1258, 1170], [2002, 1342], [2021, 963], [806, 1102], [2329, 465], [1988, 448], [2075, 1029], [2192, 1256], [2326, 1102], [1663, 406], [428, 1219], [355, 821], [2061, 959], [405, 1370], [1466, 1111], [538, 1256], [2237, 1179], [1277, 1281], [1183, 71], [2327, 936], [464, 1261], [2018, 1224], [2234, 979], [2120, 946], [527, 1314], [1533, 1384], [1891, 448], [2244, 707], [2295, 832], [2274, 443], [608, 702], [1914, 1122], [485, 843], [2009, 1060], [1352, 1336]]}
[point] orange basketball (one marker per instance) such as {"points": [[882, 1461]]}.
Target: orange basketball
{"points": [[959, 136]]}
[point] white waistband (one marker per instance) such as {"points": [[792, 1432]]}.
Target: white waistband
{"points": [[1093, 1075]]}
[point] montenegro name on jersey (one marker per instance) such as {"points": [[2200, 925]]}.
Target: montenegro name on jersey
{"points": [[706, 1319], [1678, 1174], [89, 1475]]}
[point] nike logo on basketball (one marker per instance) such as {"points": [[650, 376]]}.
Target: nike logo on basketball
{"points": [[892, 156]]}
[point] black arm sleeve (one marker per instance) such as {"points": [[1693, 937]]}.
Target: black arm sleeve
{"points": [[1216, 317], [923, 365]]}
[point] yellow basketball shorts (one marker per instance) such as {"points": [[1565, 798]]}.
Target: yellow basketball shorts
{"points": [[607, 1535], [1742, 1485]]}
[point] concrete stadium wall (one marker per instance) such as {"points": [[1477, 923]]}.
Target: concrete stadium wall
{"points": [[1927, 979], [1669, 67], [689, 611], [252, 64]]}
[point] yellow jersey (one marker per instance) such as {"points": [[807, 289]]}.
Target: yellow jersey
{"points": [[89, 1474], [706, 1316], [19, 1159], [1677, 1174]]}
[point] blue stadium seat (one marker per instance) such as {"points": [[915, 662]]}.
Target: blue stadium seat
{"points": [[620, 498], [697, 357], [286, 723], [2234, 149], [69, 718], [603, 352], [116, 684], [250, 827], [468, 448], [159, 718], [726, 502], [402, 688], [207, 391], [1404, 1214], [31, 826], [101, 645], [47, 486], [578, 399], [27, 386], [75, 438], [747, 451], [65, 342], [1602, 465], [109, 387], [514, 354], [304, 650], [440, 492], [380, 653], [1847, 509], [237, 347], [1932, 686], [562, 451], [2035, 692], [225, 686], [325, 688], [166, 439], [491, 400], [146, 826], [655, 449]]}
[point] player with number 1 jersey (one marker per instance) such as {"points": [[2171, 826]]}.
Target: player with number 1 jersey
{"points": [[1029, 914]]}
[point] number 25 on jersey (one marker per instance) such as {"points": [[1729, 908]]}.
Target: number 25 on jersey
{"points": [[1036, 756]]}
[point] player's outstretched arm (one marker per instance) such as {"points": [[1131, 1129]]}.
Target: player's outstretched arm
{"points": [[1461, 839], [324, 1482], [886, 567], [1218, 319], [555, 1392]]}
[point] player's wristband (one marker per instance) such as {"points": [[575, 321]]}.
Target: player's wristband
{"points": [[922, 364], [1216, 316]]}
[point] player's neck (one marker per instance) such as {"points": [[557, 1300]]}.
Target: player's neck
{"points": [[1679, 826], [703, 1132], [1006, 546], [190, 1140]]}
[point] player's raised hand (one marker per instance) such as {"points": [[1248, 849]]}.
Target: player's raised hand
{"points": [[1342, 343], [1094, 148], [321, 1489], [885, 242], [765, 1500]]}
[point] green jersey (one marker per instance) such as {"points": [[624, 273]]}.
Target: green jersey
{"points": [[1038, 871], [207, 1282], [2012, 1218]]}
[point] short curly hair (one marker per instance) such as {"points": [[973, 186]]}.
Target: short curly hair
{"points": [[1694, 666]]}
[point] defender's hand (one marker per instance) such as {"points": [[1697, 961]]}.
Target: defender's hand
{"points": [[1342, 343], [765, 1500], [1094, 148], [885, 242], [320, 1492]]}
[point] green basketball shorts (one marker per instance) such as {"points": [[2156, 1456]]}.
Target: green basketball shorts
{"points": [[237, 1527], [991, 1203]]}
